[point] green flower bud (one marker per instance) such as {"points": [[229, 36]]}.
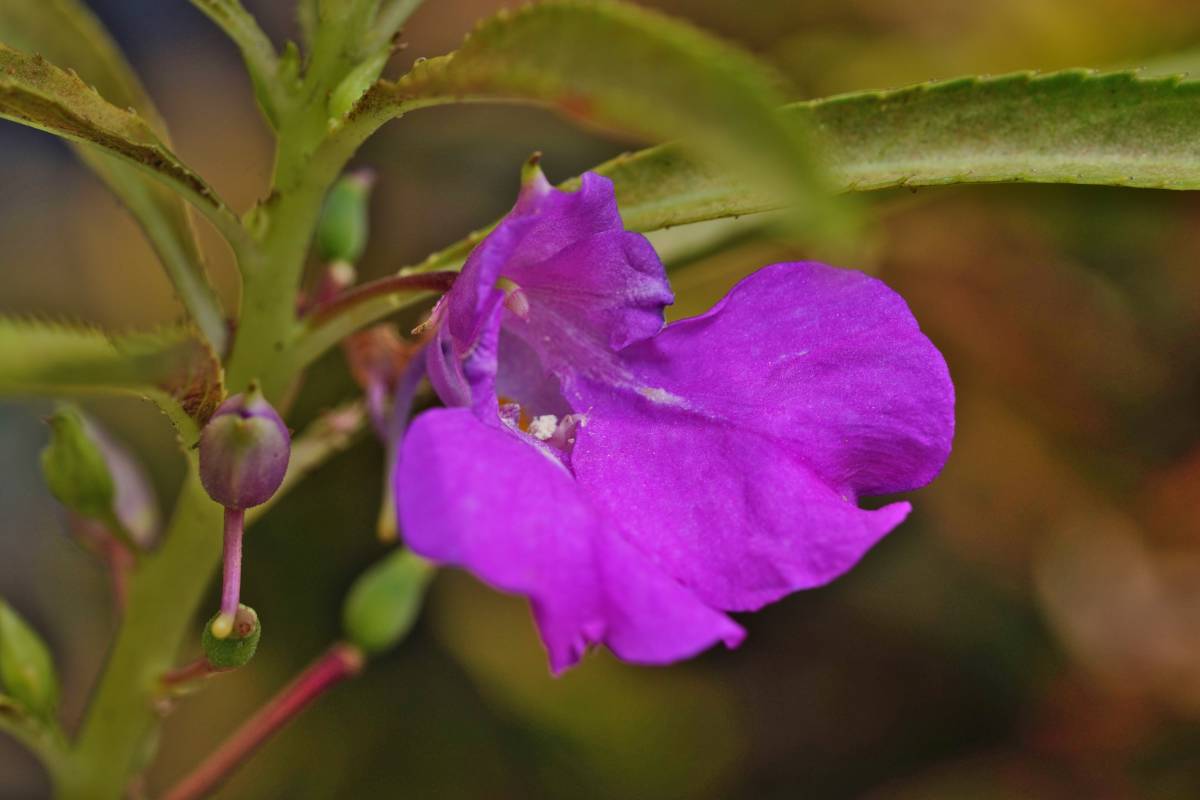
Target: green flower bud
{"points": [[98, 479], [237, 648], [343, 228], [75, 468], [383, 603], [26, 668]]}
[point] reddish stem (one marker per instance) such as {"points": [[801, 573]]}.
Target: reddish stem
{"points": [[232, 578], [339, 662], [419, 282], [200, 668]]}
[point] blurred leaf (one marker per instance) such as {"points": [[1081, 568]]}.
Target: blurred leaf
{"points": [[170, 366], [68, 34], [1077, 126], [628, 68], [384, 602], [34, 92], [1067, 127], [262, 63], [391, 15], [26, 668]]}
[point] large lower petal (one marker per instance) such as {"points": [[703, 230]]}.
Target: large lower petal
{"points": [[479, 497], [736, 516], [738, 462], [828, 360]]}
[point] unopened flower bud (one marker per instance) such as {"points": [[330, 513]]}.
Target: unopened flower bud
{"points": [[343, 228], [244, 451], [239, 641], [74, 466], [26, 668], [383, 603], [98, 479]]}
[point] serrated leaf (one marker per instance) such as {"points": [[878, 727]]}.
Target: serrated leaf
{"points": [[57, 359], [68, 34], [1075, 126], [624, 67], [37, 93]]}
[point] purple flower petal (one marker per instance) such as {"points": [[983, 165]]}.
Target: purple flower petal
{"points": [[480, 497], [580, 287], [758, 425]]}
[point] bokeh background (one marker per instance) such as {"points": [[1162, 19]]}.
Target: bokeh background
{"points": [[1033, 631]]}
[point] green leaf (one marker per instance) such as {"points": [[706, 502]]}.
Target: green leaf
{"points": [[170, 366], [262, 62], [391, 16], [26, 668], [34, 92], [624, 67], [67, 33], [384, 602], [1075, 126]]}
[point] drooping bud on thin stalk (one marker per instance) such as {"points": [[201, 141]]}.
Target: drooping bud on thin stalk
{"points": [[244, 451]]}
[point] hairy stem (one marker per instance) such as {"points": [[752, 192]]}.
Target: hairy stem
{"points": [[338, 663]]}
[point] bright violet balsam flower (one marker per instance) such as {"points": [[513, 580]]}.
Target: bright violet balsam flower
{"points": [[637, 481]]}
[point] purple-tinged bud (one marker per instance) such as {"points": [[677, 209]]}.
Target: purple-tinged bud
{"points": [[244, 451]]}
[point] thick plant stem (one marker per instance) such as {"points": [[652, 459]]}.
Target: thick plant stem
{"points": [[163, 597], [338, 663], [116, 739]]}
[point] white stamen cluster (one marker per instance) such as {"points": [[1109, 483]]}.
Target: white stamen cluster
{"points": [[543, 427]]}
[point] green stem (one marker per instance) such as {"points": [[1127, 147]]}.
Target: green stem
{"points": [[163, 598], [117, 736]]}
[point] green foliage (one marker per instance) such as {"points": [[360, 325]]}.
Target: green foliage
{"points": [[26, 668], [1077, 126], [257, 51], [67, 33], [239, 647], [34, 92], [170, 366], [384, 602], [622, 67], [75, 468]]}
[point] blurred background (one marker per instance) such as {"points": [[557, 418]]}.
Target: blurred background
{"points": [[1033, 630]]}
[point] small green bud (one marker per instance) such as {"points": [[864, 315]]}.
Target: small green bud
{"points": [[343, 228], [97, 478], [383, 603], [238, 646], [26, 668], [75, 468]]}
